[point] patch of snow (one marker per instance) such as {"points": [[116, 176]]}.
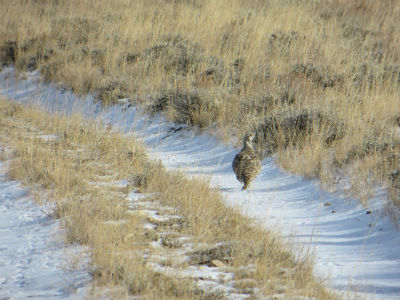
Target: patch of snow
{"points": [[116, 223], [137, 197], [32, 257], [356, 250], [49, 137], [115, 183]]}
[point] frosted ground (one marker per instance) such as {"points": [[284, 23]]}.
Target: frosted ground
{"points": [[32, 255], [357, 249]]}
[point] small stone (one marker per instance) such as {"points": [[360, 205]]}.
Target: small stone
{"points": [[327, 204]]}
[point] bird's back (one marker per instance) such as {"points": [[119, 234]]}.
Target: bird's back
{"points": [[246, 165]]}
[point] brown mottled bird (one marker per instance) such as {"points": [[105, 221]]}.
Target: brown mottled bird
{"points": [[246, 163]]}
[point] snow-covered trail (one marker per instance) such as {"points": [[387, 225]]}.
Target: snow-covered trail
{"points": [[355, 250], [359, 251], [32, 261]]}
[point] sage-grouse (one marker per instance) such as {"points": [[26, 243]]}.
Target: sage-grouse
{"points": [[246, 163]]}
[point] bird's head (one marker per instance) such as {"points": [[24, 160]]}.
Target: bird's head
{"points": [[248, 139]]}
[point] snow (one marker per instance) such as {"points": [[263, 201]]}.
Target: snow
{"points": [[49, 137], [32, 257], [356, 249], [359, 251]]}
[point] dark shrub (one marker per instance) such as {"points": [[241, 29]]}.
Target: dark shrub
{"points": [[189, 108], [289, 128], [8, 53]]}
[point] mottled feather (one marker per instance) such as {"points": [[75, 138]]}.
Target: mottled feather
{"points": [[246, 163]]}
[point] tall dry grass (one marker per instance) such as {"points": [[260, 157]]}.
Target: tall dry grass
{"points": [[78, 162], [242, 65]]}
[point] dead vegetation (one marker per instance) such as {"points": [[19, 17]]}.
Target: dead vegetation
{"points": [[150, 232], [319, 81]]}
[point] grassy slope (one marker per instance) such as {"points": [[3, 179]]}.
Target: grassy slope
{"points": [[317, 80], [78, 167]]}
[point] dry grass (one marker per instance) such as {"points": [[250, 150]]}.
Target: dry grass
{"points": [[78, 162], [236, 64]]}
